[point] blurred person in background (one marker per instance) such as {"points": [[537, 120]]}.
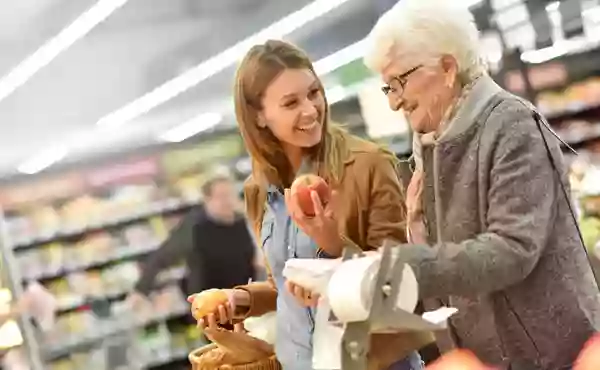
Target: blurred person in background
{"points": [[283, 116], [490, 217], [214, 241]]}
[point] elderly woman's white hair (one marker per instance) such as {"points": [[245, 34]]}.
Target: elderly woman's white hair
{"points": [[426, 29]]}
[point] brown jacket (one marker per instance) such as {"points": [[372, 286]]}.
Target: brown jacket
{"points": [[374, 211]]}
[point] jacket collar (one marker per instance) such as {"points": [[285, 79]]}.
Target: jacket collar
{"points": [[473, 104]]}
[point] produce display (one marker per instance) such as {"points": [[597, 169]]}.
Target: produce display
{"points": [[575, 115], [84, 235], [575, 97], [153, 345]]}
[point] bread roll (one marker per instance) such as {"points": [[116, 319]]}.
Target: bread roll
{"points": [[208, 302]]}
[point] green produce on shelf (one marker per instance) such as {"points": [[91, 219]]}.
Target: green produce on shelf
{"points": [[590, 228]]}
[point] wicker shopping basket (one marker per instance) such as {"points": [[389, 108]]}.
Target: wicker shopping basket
{"points": [[234, 351]]}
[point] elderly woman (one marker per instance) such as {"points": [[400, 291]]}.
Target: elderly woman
{"points": [[490, 223]]}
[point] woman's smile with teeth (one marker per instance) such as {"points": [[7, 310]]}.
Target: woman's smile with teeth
{"points": [[308, 127]]}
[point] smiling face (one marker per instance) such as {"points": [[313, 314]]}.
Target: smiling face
{"points": [[423, 92], [293, 109], [281, 110]]}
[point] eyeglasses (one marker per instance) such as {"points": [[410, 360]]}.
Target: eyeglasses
{"points": [[399, 82]]}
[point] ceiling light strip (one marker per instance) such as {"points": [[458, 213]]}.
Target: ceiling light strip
{"points": [[43, 160], [217, 63], [196, 125], [207, 121], [53, 47]]}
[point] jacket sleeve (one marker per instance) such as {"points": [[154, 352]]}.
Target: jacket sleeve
{"points": [[522, 195], [171, 251], [387, 210]]}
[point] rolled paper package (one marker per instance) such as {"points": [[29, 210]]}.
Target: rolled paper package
{"points": [[351, 288], [311, 274]]}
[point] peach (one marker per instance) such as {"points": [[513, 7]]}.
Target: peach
{"points": [[303, 185]]}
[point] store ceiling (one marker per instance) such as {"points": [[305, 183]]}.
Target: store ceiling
{"points": [[139, 47]]}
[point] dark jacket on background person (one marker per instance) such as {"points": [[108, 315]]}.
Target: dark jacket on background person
{"points": [[216, 255], [503, 244]]}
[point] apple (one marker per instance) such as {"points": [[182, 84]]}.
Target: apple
{"points": [[303, 185]]}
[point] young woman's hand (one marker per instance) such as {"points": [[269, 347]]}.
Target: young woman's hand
{"points": [[304, 296], [225, 313], [323, 226]]}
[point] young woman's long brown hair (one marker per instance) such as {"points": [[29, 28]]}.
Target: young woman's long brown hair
{"points": [[261, 65]]}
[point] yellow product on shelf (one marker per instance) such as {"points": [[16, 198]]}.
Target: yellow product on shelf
{"points": [[96, 247], [52, 257], [46, 221], [551, 102], [82, 212], [77, 322], [58, 287], [64, 364], [159, 227], [189, 187], [590, 230], [576, 96]]}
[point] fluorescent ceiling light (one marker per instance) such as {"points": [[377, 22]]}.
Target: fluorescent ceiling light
{"points": [[326, 65], [560, 48], [341, 58], [217, 63], [53, 47], [336, 94], [192, 127], [43, 160]]}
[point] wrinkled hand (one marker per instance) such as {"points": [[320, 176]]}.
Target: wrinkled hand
{"points": [[304, 296], [323, 226]]}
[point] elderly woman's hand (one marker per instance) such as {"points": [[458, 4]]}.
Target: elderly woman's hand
{"points": [[322, 228]]}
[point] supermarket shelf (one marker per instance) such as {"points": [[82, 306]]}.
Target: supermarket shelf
{"points": [[581, 143], [171, 276], [152, 210], [101, 332], [576, 111], [122, 253]]}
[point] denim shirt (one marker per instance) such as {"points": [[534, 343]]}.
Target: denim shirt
{"points": [[281, 240]]}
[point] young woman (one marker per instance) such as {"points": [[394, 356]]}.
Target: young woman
{"points": [[283, 117]]}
